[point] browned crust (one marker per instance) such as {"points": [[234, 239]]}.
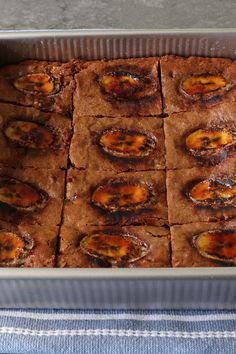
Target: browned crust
{"points": [[44, 239], [85, 151], [60, 102], [80, 64], [174, 69], [184, 254], [178, 126], [90, 100], [157, 238], [16, 156], [49, 181], [181, 209], [79, 210]]}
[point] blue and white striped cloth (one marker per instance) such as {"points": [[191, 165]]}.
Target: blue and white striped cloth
{"points": [[113, 332]]}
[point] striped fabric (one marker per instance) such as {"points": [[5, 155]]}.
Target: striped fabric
{"points": [[113, 332]]}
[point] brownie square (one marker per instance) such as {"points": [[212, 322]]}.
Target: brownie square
{"points": [[88, 149], [182, 209], [61, 76], [179, 126], [94, 98], [145, 203], [31, 196], [184, 253], [53, 147], [176, 69], [155, 238], [41, 244]]}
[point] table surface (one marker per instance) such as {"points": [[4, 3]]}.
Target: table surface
{"points": [[68, 14]]}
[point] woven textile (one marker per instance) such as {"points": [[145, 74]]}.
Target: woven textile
{"points": [[113, 332]]}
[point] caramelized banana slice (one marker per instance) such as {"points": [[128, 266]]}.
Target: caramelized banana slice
{"points": [[208, 142], [219, 245], [205, 86], [127, 85], [126, 143], [114, 248], [29, 135], [13, 248], [37, 83], [20, 195], [205, 139], [214, 193], [122, 196]]}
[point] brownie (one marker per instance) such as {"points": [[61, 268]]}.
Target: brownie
{"points": [[180, 184], [156, 241], [174, 70], [102, 198], [46, 147], [40, 249], [89, 149], [61, 80], [33, 196], [184, 253], [137, 95], [179, 126]]}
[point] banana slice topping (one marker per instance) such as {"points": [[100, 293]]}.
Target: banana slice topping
{"points": [[41, 83], [205, 86], [126, 143], [219, 245], [210, 139], [114, 248], [20, 195], [127, 85], [214, 193], [122, 196], [13, 248], [29, 134]]}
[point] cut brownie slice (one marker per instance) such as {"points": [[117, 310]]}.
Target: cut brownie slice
{"points": [[201, 194], [126, 247], [102, 198], [44, 85], [31, 138], [123, 87], [196, 83], [204, 244], [201, 138], [117, 144], [31, 196], [27, 245]]}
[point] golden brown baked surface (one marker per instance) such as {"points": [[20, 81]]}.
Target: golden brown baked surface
{"points": [[42, 144], [155, 239], [149, 153], [42, 250], [99, 94], [175, 70], [118, 144], [188, 204], [60, 78], [144, 204], [213, 123], [46, 185], [184, 254]]}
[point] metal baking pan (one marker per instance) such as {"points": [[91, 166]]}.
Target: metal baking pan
{"points": [[189, 288]]}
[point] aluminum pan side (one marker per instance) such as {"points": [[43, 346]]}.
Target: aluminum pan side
{"points": [[118, 293], [122, 273], [99, 44]]}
